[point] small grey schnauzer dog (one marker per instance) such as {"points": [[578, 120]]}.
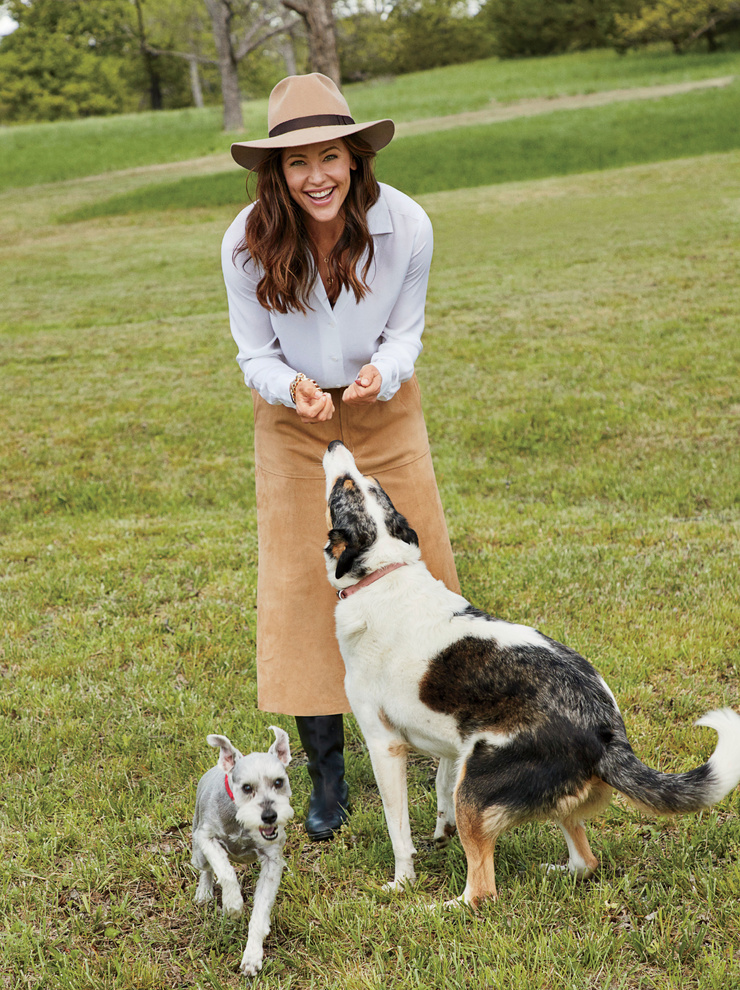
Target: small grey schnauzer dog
{"points": [[241, 807]]}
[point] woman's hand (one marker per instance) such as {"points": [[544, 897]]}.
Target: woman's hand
{"points": [[311, 404], [365, 388]]}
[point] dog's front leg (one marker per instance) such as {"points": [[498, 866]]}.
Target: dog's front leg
{"points": [[231, 895], [265, 892], [445, 785], [389, 765]]}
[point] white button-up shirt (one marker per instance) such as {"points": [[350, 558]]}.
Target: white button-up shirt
{"points": [[331, 345]]}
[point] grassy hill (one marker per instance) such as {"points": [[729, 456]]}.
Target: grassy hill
{"points": [[580, 376]]}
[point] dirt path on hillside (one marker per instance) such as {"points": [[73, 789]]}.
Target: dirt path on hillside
{"points": [[496, 111]]}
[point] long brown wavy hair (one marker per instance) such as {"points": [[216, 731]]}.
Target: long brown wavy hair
{"points": [[277, 241]]}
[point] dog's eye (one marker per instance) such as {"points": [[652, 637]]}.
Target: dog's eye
{"points": [[279, 782], [247, 788]]}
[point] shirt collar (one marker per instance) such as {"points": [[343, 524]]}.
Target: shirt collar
{"points": [[379, 217]]}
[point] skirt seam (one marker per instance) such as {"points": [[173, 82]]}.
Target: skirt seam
{"points": [[316, 477]]}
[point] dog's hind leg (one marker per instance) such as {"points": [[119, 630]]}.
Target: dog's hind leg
{"points": [[478, 833], [445, 785], [581, 862], [204, 890]]}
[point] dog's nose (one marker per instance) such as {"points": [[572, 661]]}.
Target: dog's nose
{"points": [[269, 816], [334, 444]]}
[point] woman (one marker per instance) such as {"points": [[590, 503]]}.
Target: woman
{"points": [[326, 276]]}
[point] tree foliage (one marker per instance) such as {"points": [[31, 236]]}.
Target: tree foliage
{"points": [[64, 60], [681, 22], [548, 27], [409, 36]]}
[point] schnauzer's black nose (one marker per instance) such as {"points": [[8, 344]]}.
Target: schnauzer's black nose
{"points": [[269, 816]]}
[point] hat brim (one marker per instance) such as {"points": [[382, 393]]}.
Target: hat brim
{"points": [[248, 154]]}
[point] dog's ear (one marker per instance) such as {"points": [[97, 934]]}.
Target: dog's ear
{"points": [[396, 524], [346, 560], [281, 746], [342, 550], [229, 754], [399, 529]]}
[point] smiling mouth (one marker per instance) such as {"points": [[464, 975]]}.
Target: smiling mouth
{"points": [[320, 197], [269, 833]]}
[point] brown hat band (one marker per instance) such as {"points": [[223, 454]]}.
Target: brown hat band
{"points": [[316, 120]]}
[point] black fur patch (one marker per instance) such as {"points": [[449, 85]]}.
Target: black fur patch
{"points": [[396, 524], [534, 771], [487, 687], [351, 525]]}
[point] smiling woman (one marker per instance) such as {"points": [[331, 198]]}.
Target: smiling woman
{"points": [[326, 276]]}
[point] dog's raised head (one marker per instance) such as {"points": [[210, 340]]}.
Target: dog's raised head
{"points": [[365, 530], [258, 785]]}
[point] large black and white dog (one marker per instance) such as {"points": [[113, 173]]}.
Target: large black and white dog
{"points": [[524, 728]]}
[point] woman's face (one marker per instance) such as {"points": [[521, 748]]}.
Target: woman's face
{"points": [[318, 177]]}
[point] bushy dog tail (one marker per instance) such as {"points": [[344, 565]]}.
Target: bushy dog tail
{"points": [[673, 793]]}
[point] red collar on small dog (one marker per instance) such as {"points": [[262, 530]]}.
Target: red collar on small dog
{"points": [[369, 579], [228, 789]]}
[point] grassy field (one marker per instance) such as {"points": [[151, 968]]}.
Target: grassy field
{"points": [[53, 152], [580, 375]]}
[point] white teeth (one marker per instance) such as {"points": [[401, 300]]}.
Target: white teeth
{"points": [[321, 195]]}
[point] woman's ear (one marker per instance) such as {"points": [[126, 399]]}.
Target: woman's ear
{"points": [[353, 164]]}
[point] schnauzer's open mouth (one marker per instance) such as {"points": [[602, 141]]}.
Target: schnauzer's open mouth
{"points": [[269, 833]]}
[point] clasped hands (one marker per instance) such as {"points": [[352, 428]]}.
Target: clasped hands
{"points": [[315, 406]]}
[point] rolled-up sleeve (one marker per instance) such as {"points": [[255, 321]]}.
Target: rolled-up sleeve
{"points": [[401, 343], [331, 343]]}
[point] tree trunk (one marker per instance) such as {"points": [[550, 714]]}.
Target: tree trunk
{"points": [[287, 50], [150, 62], [322, 42], [195, 87], [221, 20]]}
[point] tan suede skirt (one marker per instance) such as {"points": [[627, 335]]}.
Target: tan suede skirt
{"points": [[299, 668]]}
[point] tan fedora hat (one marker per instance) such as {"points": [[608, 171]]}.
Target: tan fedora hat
{"points": [[305, 110]]}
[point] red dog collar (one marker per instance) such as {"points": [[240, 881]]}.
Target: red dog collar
{"points": [[369, 579], [228, 789]]}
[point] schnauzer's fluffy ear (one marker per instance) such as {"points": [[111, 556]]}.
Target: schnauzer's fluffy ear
{"points": [[281, 746], [229, 754]]}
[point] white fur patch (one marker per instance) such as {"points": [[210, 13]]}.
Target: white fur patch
{"points": [[725, 760]]}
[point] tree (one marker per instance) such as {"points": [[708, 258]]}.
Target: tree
{"points": [[429, 33], [239, 28], [681, 22], [65, 60], [322, 41], [547, 27]]}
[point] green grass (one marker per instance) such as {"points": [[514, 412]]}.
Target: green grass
{"points": [[580, 376], [32, 154], [559, 143]]}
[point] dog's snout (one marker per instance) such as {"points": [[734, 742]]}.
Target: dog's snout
{"points": [[333, 445], [269, 816]]}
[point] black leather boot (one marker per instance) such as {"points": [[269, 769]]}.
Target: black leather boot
{"points": [[322, 737]]}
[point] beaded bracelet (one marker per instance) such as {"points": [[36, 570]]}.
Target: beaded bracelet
{"points": [[300, 377]]}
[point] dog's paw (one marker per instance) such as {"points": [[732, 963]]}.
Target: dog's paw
{"points": [[399, 884], [251, 962], [443, 832], [578, 872], [204, 890], [232, 904]]}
